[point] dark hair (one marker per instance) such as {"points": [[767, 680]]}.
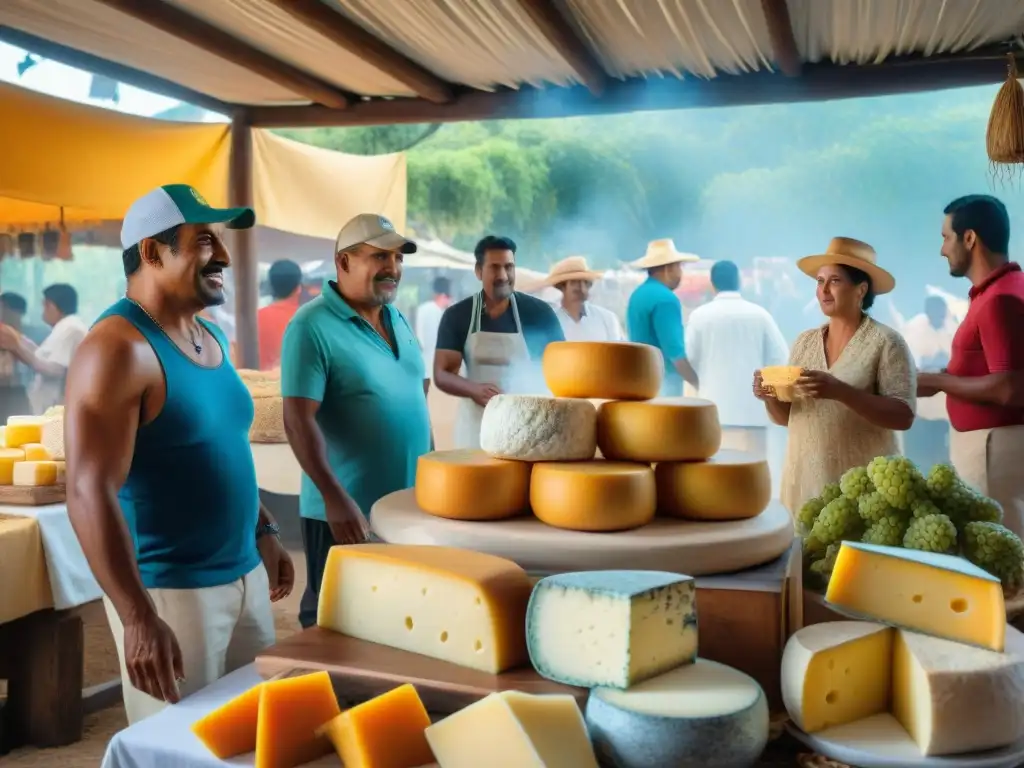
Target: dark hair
{"points": [[858, 277], [284, 277], [986, 216], [442, 286], [63, 297], [493, 243], [132, 257], [725, 276], [14, 302]]}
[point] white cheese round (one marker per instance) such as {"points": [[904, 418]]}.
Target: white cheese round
{"points": [[532, 428], [697, 715]]}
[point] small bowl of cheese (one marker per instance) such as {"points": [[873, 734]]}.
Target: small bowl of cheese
{"points": [[781, 381]]}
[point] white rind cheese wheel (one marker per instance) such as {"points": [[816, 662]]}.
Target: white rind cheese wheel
{"points": [[666, 429], [532, 428], [597, 496], [729, 486], [692, 717], [470, 485], [612, 370]]}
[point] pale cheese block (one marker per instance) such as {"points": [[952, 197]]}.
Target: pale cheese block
{"points": [[8, 458], [695, 716], [625, 626], [52, 437], [940, 595], [665, 429], [618, 370], [36, 452], [35, 473], [268, 420], [954, 699], [21, 430], [467, 484], [464, 607], [729, 486], [511, 729], [597, 496], [532, 428], [835, 673]]}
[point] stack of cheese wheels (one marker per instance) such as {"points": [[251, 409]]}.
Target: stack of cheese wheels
{"points": [[268, 405]]}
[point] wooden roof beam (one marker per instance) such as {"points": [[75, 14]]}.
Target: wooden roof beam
{"points": [[175, 22], [562, 35], [780, 32], [353, 38]]}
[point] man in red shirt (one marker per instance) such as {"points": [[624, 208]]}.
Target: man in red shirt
{"points": [[285, 278], [984, 381]]}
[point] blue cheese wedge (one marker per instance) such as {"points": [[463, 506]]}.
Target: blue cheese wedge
{"points": [[611, 628]]}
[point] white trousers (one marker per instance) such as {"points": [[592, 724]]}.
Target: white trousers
{"points": [[990, 460], [219, 629]]}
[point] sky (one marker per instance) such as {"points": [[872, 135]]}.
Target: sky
{"points": [[67, 82]]}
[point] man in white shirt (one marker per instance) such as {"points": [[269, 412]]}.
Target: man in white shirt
{"points": [[726, 339], [428, 320], [930, 338], [581, 320], [49, 360]]}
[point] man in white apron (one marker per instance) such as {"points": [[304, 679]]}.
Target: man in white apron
{"points": [[984, 381], [498, 334]]}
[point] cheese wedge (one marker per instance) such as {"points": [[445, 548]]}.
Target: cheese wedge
{"points": [[35, 473], [464, 607], [230, 730], [291, 711], [470, 485], [939, 595], [596, 496]]}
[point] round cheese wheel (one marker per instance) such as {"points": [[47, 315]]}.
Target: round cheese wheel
{"points": [[532, 428], [618, 370], [665, 429], [470, 485], [697, 715], [594, 496], [729, 486]]}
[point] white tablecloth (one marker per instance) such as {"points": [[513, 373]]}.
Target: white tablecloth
{"points": [[71, 578]]}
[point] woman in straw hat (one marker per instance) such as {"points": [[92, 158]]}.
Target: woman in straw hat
{"points": [[581, 320], [858, 382]]}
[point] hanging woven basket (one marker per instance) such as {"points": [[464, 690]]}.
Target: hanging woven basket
{"points": [[1004, 139]]}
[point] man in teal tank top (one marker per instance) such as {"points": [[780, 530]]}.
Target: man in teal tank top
{"points": [[161, 484]]}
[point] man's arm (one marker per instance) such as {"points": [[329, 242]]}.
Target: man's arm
{"points": [[26, 351], [451, 340], [667, 318]]}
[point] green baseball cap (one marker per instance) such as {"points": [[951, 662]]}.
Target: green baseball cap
{"points": [[173, 205]]}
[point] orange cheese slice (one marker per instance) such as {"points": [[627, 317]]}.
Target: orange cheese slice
{"points": [[230, 729], [290, 713]]}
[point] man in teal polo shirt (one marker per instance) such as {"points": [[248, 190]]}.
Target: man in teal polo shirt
{"points": [[655, 316], [354, 387]]}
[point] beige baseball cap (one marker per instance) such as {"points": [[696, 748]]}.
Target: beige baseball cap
{"points": [[372, 229]]}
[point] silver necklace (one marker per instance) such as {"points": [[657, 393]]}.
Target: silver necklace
{"points": [[193, 335]]}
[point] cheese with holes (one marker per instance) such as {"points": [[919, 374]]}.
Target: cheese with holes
{"points": [[940, 595], [728, 486], [531, 428], [666, 429], [385, 732], [612, 370], [52, 436], [468, 484], [464, 607], [21, 430], [691, 717], [291, 711], [35, 473], [36, 452], [230, 730], [836, 673], [8, 458], [625, 626], [593, 495], [511, 729]]}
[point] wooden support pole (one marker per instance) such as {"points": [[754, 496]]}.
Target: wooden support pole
{"points": [[243, 253], [780, 31]]}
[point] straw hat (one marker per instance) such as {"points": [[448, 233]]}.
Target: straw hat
{"points": [[571, 268], [661, 253], [850, 253]]}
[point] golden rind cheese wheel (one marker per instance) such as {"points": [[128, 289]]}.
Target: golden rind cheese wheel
{"points": [[619, 370], [729, 486], [594, 496], [470, 485], [665, 429]]}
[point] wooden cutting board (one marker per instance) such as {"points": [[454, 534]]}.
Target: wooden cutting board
{"points": [[32, 496], [361, 670]]}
